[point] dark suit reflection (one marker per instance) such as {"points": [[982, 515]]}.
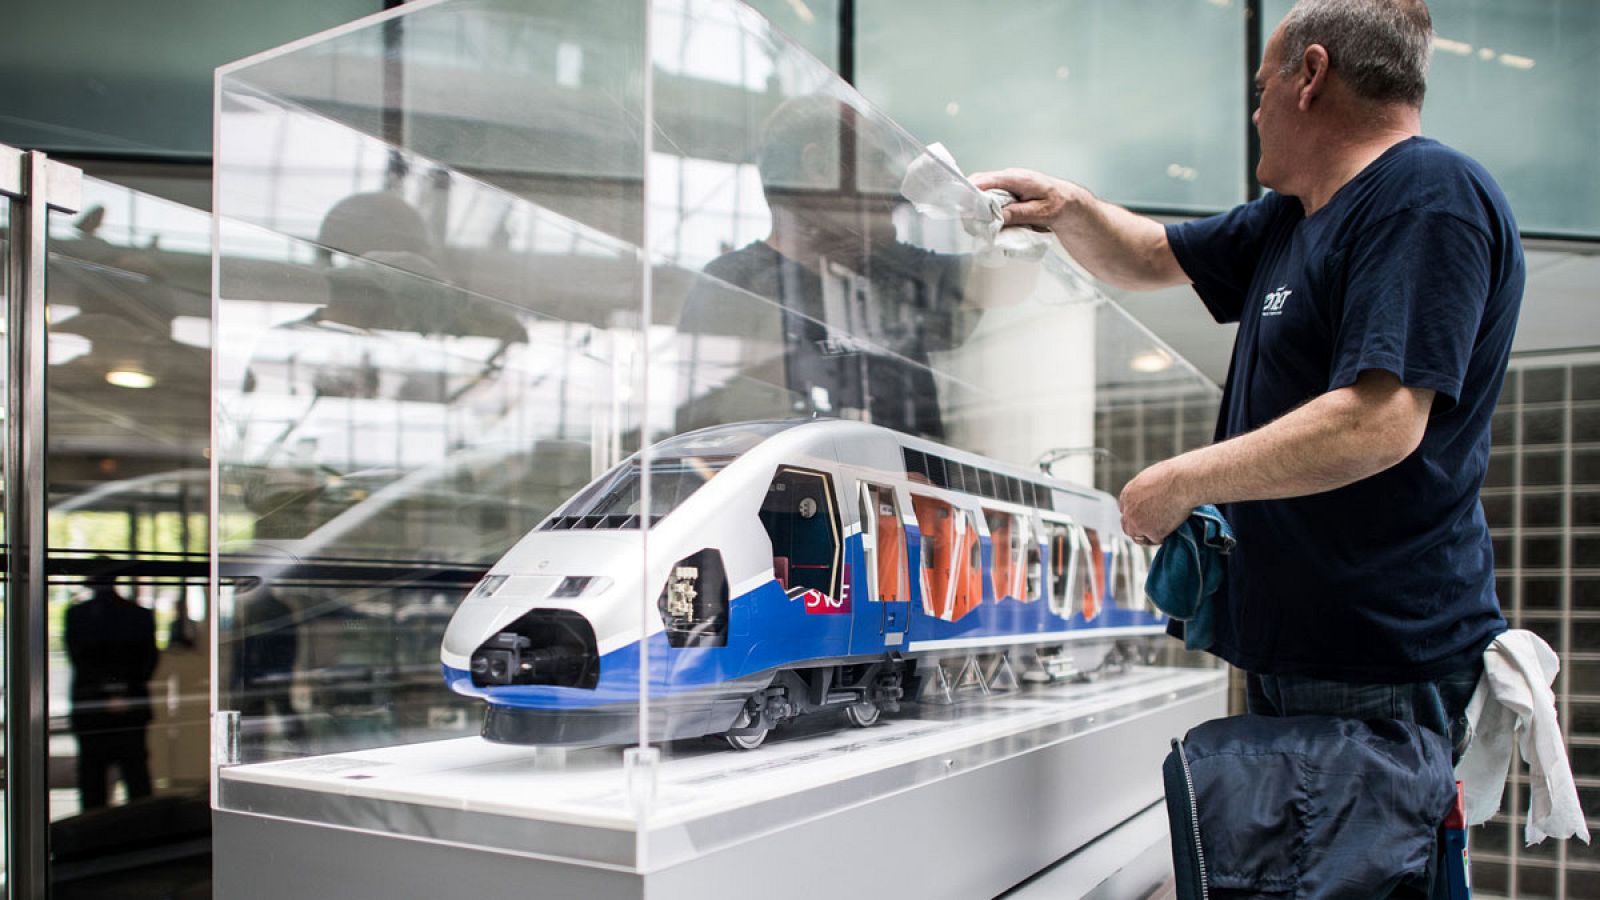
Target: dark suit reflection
{"points": [[111, 644]]}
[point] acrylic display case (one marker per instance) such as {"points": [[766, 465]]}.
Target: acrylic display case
{"points": [[633, 454]]}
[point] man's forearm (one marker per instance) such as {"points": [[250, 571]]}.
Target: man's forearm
{"points": [[1334, 440], [1117, 246], [1339, 438]]}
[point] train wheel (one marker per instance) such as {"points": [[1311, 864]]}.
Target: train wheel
{"points": [[863, 714], [745, 741]]}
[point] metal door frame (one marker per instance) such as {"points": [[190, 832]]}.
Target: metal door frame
{"points": [[33, 186]]}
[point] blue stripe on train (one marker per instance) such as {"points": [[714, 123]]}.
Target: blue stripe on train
{"points": [[768, 629]]}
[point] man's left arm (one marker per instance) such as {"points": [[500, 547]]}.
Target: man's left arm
{"points": [[1333, 440]]}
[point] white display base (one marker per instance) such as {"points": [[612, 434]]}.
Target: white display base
{"points": [[962, 801]]}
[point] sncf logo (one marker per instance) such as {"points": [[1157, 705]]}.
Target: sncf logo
{"points": [[1272, 304], [820, 604]]}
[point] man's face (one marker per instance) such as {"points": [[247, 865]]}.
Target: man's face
{"points": [[1274, 115]]}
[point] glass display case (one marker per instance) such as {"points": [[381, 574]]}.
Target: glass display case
{"points": [[629, 443]]}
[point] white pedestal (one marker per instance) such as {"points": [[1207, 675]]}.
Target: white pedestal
{"points": [[960, 802]]}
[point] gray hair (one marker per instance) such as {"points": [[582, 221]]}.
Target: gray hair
{"points": [[1379, 47]]}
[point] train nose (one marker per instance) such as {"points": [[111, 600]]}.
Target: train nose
{"points": [[544, 646]]}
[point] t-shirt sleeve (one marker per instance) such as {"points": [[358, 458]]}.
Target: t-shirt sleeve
{"points": [[1219, 253], [1415, 287]]}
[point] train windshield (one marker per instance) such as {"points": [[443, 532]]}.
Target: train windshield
{"points": [[678, 467], [615, 502]]}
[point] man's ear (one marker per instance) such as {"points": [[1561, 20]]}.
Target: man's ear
{"points": [[1313, 75]]}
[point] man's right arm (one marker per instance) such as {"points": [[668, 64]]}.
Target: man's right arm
{"points": [[1117, 246]]}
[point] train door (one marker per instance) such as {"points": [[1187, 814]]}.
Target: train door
{"points": [[1066, 568], [1094, 588], [881, 620], [952, 571], [801, 520]]}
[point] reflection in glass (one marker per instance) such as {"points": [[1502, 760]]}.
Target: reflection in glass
{"points": [[446, 309], [128, 353], [416, 364]]}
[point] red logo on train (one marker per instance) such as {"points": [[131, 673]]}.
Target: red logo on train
{"points": [[820, 604]]}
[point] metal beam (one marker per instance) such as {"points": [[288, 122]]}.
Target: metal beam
{"points": [[44, 185]]}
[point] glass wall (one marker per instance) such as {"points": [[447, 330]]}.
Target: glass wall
{"points": [[813, 25], [556, 388], [1142, 101], [127, 407], [1513, 85]]}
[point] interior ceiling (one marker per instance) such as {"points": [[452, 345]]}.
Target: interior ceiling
{"points": [[1560, 310]]}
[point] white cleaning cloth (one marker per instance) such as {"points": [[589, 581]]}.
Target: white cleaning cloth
{"points": [[935, 186], [1513, 699]]}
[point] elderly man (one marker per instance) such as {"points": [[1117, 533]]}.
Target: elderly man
{"points": [[1376, 291]]}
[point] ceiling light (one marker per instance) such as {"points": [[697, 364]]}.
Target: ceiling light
{"points": [[1486, 54], [1515, 61], [1152, 361], [1459, 48], [803, 12], [952, 108], [130, 378]]}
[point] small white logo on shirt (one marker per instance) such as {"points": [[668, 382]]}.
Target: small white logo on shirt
{"points": [[1272, 304]]}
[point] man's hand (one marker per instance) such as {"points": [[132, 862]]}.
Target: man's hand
{"points": [[1127, 250], [1041, 199], [1155, 503]]}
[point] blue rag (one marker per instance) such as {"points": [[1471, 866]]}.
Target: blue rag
{"points": [[1187, 571]]}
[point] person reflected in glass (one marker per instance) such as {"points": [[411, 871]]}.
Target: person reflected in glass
{"points": [[855, 312], [334, 451], [111, 645]]}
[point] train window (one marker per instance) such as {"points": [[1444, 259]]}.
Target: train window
{"points": [[614, 500], [884, 545], [1127, 587], [936, 472], [1065, 568], [968, 593], [986, 477], [952, 571], [802, 521], [1008, 540], [1035, 564], [916, 462], [1094, 585]]}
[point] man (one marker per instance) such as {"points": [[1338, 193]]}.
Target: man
{"points": [[111, 643], [836, 316], [1376, 293]]}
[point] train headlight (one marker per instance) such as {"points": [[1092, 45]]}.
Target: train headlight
{"points": [[487, 587], [579, 586]]}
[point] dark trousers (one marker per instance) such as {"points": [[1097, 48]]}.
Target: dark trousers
{"points": [[1440, 706], [99, 750]]}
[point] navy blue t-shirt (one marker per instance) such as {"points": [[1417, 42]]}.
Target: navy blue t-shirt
{"points": [[1414, 267]]}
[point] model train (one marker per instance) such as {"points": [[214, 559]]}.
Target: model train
{"points": [[791, 567]]}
